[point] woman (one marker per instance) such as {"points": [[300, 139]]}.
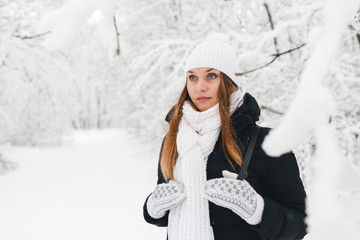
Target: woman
{"points": [[197, 195]]}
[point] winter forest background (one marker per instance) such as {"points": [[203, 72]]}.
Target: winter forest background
{"points": [[85, 86]]}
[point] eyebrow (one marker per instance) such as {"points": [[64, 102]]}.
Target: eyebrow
{"points": [[205, 71]]}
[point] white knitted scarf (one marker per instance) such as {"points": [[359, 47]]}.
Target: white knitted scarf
{"points": [[198, 133]]}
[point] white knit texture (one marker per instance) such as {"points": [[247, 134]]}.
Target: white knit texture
{"points": [[256, 218], [198, 133], [215, 52], [236, 195], [164, 197]]}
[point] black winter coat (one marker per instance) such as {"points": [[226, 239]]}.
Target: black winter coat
{"points": [[276, 179]]}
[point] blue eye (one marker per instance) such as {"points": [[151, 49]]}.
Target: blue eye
{"points": [[212, 75], [192, 77]]}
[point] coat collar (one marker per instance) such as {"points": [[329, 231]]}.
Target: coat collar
{"points": [[246, 115]]}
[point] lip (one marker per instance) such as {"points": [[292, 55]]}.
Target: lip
{"points": [[203, 98]]}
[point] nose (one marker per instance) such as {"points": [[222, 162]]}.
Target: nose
{"points": [[201, 85]]}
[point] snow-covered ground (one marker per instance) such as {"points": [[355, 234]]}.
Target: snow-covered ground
{"points": [[93, 187]]}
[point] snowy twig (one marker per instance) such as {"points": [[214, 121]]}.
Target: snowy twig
{"points": [[261, 39], [272, 26], [32, 37], [271, 110], [275, 57], [117, 37]]}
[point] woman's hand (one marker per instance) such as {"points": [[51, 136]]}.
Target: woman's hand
{"points": [[165, 197], [236, 195]]}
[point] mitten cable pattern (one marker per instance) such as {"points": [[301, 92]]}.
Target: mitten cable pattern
{"points": [[236, 195], [164, 197]]}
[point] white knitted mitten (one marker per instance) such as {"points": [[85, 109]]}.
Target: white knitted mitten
{"points": [[236, 195], [164, 197]]}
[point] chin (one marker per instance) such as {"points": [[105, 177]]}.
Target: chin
{"points": [[203, 108]]}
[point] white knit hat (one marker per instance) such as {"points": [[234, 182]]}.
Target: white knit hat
{"points": [[215, 52]]}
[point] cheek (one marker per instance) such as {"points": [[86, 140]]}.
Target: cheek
{"points": [[190, 90], [188, 86], [216, 90]]}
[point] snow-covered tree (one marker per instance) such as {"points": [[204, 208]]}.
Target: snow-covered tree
{"points": [[309, 115], [82, 64], [30, 78]]}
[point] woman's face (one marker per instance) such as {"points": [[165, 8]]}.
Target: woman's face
{"points": [[203, 87]]}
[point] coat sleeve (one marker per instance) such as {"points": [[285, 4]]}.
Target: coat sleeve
{"points": [[161, 222], [284, 198]]}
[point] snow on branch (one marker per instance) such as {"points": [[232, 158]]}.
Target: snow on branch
{"points": [[271, 110], [276, 55], [309, 116], [31, 37]]}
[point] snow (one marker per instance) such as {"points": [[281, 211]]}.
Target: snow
{"points": [[313, 103], [93, 187], [309, 115], [66, 22], [44, 93], [311, 107], [325, 207]]}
